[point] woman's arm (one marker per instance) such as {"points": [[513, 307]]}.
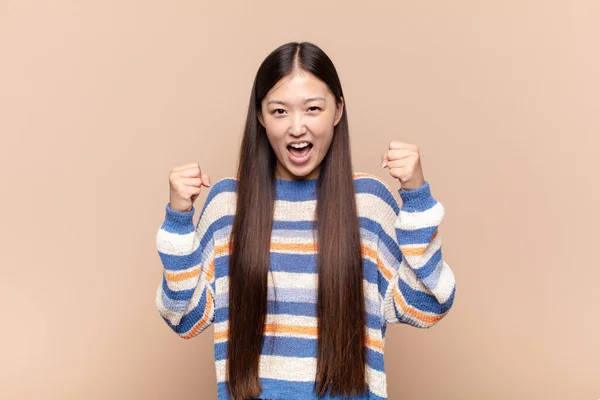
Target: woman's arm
{"points": [[185, 297], [420, 285]]}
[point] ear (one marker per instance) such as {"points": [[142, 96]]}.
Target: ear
{"points": [[339, 110], [260, 119]]}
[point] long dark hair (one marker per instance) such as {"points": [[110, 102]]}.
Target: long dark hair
{"points": [[341, 350]]}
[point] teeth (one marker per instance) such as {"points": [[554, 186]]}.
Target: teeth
{"points": [[299, 145]]}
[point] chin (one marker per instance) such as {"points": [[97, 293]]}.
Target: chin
{"points": [[300, 173]]}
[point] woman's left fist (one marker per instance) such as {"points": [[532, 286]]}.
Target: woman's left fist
{"points": [[404, 162]]}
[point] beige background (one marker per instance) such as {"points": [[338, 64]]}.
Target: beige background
{"points": [[99, 100]]}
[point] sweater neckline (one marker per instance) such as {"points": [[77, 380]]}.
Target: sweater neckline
{"points": [[296, 188]]}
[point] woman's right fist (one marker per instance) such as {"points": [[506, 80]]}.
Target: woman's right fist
{"points": [[185, 182]]}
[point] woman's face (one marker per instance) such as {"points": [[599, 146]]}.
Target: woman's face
{"points": [[299, 110]]}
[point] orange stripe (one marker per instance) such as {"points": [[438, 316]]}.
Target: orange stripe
{"points": [[210, 271], [410, 310], [413, 251], [374, 343], [418, 251], [202, 322], [297, 329], [373, 254], [221, 335], [182, 276], [221, 250], [303, 247]]}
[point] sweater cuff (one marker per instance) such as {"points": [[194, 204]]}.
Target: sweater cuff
{"points": [[419, 199], [179, 218]]}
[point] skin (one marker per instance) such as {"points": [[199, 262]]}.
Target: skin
{"points": [[288, 117], [403, 161]]}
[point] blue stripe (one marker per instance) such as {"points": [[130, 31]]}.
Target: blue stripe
{"points": [[277, 389], [431, 281], [176, 294], [189, 320], [182, 222], [369, 225], [392, 247], [178, 222], [295, 263], [416, 236], [373, 321], [383, 283], [222, 186], [178, 263], [417, 200], [377, 188], [296, 190], [421, 300], [295, 225], [430, 266]]}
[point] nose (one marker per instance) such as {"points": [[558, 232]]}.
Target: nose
{"points": [[297, 127]]}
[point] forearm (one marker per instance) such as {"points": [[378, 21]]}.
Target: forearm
{"points": [[422, 287], [185, 298]]}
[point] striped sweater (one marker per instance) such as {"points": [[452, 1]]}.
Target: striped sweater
{"points": [[405, 279]]}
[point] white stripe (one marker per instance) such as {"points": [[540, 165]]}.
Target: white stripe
{"points": [[182, 245], [191, 283], [174, 244], [377, 382], [417, 262], [408, 275], [293, 280], [297, 281], [445, 283], [295, 210], [375, 208], [421, 219]]}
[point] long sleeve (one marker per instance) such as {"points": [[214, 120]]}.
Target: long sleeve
{"points": [[185, 297], [420, 284]]}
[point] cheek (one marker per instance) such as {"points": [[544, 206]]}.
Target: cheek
{"points": [[276, 129], [276, 139], [322, 129]]}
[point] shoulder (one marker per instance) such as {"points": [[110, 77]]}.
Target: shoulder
{"points": [[223, 185], [221, 197], [374, 195], [373, 185]]}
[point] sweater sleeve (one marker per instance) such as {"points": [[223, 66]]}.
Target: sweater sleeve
{"points": [[419, 284], [185, 296]]}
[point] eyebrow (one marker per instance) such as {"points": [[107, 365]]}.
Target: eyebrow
{"points": [[305, 101]]}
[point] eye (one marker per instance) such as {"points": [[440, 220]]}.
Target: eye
{"points": [[277, 109], [314, 107]]}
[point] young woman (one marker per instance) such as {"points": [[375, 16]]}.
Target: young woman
{"points": [[298, 262]]}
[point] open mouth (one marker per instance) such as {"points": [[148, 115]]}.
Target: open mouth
{"points": [[299, 154]]}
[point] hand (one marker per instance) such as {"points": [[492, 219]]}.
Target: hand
{"points": [[404, 163], [185, 182]]}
